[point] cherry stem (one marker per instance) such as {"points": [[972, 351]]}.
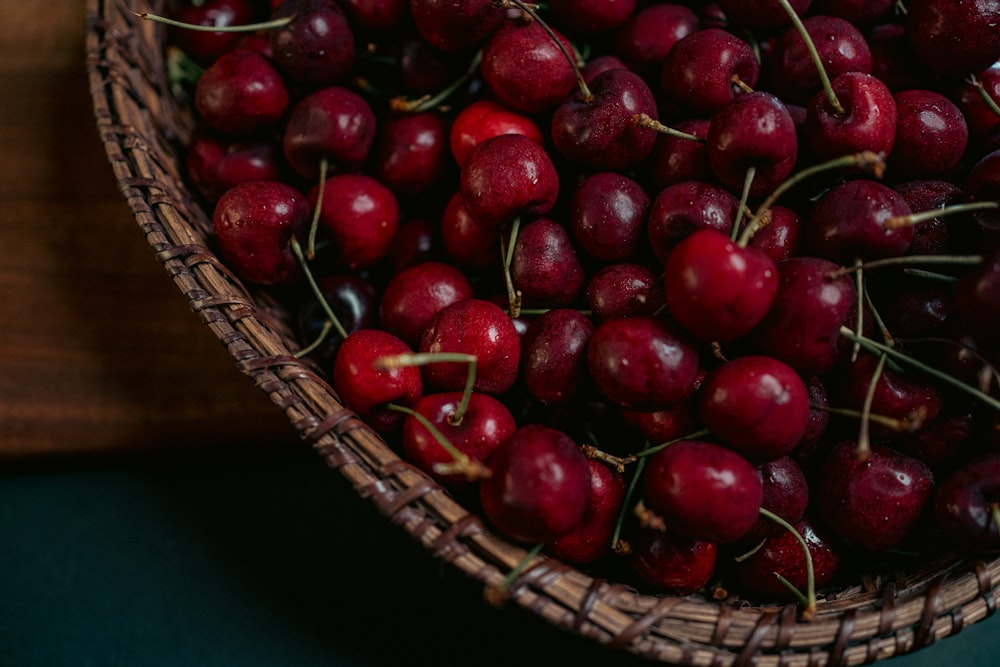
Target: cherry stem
{"points": [[431, 101], [744, 197], [507, 253], [919, 365], [649, 451], [931, 275], [897, 221], [864, 451], [989, 371], [859, 290], [908, 424], [887, 336], [180, 68], [497, 595], [809, 599], [867, 161], [740, 83], [324, 165], [248, 27], [987, 99], [320, 297], [904, 260], [995, 511], [529, 10], [629, 493], [472, 469], [407, 359], [617, 462], [648, 122], [814, 54], [311, 347]]}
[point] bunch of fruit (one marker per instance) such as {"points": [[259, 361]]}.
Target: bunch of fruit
{"points": [[703, 293]]}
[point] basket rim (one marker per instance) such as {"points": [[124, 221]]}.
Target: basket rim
{"points": [[138, 123]]}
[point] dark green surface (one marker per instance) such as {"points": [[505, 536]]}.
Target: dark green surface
{"points": [[264, 558]]}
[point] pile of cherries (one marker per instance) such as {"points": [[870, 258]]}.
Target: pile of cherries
{"points": [[636, 280]]}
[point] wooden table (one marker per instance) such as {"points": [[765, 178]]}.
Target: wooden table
{"points": [[98, 349]]}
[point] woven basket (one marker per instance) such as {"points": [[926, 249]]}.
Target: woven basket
{"points": [[141, 125]]}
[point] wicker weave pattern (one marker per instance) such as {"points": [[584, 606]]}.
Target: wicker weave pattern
{"points": [[141, 125]]}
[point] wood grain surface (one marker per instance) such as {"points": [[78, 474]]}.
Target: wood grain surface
{"points": [[98, 349]]}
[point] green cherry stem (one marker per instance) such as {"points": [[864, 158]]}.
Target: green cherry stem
{"points": [[919, 365], [990, 103], [897, 221], [649, 451], [424, 358], [906, 260], [320, 297], [629, 494], [507, 254], [432, 101], [744, 197], [248, 27], [864, 450], [324, 165], [461, 464], [498, 594], [814, 54], [648, 122], [809, 598]]}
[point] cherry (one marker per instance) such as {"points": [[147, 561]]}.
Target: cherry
{"points": [[254, 223], [933, 236], [892, 63], [591, 539], [756, 405], [332, 124], [353, 300], [416, 241], [414, 295], [599, 132], [479, 328], [544, 267], [752, 131], [591, 17], [781, 554], [683, 208], [767, 15], [624, 289], [642, 362], [812, 303], [853, 219], [361, 217], [982, 184], [874, 503], [316, 47], [931, 135], [966, 504], [470, 245], [715, 289], [952, 37], [410, 153], [866, 120], [554, 355], [508, 176], [977, 298], [539, 487], [676, 159], [646, 37], [672, 563], [700, 71], [205, 47], [779, 238], [241, 93], [599, 65], [485, 423], [216, 163], [369, 390], [607, 215], [425, 70], [785, 493], [980, 118], [703, 491], [484, 119], [376, 15], [454, 26], [840, 45], [525, 69], [943, 444]]}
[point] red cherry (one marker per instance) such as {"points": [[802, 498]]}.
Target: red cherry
{"points": [[525, 69], [591, 539], [414, 295], [241, 94], [333, 124], [782, 554], [966, 504], [316, 47], [484, 119], [361, 216], [672, 563], [554, 355]]}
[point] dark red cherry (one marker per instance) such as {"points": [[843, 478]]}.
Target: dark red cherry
{"points": [[539, 487], [965, 504], [369, 390], [982, 184], [677, 159], [700, 71], [333, 124], [686, 207], [483, 119], [484, 425], [205, 47], [715, 289], [316, 47], [803, 326], [756, 405], [525, 69], [554, 355], [786, 493], [980, 118], [241, 94], [508, 176], [470, 245], [216, 164], [753, 130], [410, 154], [452, 25], [376, 15], [977, 298], [476, 327], [642, 362], [607, 215], [414, 295], [853, 220], [361, 217], [417, 240], [767, 15], [953, 37], [867, 122], [601, 133], [645, 39], [874, 503], [353, 300], [781, 554], [931, 237], [703, 491], [590, 17], [545, 268], [254, 223], [591, 539], [624, 289], [675, 422], [931, 135], [672, 563], [779, 237]]}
